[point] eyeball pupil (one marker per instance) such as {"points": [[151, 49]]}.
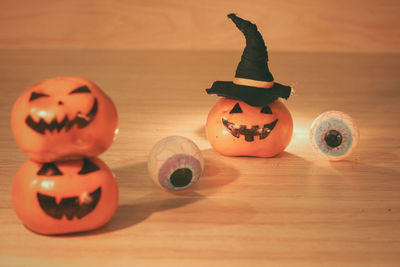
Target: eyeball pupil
{"points": [[333, 138], [181, 177]]}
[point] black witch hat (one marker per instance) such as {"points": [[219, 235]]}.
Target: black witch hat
{"points": [[253, 83]]}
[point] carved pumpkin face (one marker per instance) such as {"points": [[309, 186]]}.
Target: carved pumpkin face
{"points": [[235, 128], [64, 197], [63, 118]]}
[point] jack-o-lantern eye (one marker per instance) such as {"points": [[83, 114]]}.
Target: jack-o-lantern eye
{"points": [[35, 95], [88, 167], [266, 110], [82, 89], [236, 109], [49, 169]]}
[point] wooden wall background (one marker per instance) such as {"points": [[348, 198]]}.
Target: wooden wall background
{"points": [[290, 25]]}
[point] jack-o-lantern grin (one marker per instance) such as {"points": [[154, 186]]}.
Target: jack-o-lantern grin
{"points": [[63, 197], [81, 121], [249, 133], [69, 207]]}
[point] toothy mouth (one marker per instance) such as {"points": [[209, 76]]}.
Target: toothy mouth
{"points": [[69, 207], [237, 130], [81, 121]]}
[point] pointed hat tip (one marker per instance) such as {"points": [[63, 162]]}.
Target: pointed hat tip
{"points": [[230, 15], [254, 61], [241, 23]]}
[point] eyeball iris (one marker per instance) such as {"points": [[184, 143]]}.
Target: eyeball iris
{"points": [[333, 138], [179, 172], [334, 135]]}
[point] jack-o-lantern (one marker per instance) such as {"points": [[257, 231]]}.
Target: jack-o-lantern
{"points": [[250, 120], [63, 118], [235, 128], [64, 197]]}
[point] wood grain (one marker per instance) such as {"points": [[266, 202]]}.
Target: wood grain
{"points": [[292, 210], [295, 25]]}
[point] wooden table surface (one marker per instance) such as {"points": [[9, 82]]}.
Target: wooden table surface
{"points": [[296, 209]]}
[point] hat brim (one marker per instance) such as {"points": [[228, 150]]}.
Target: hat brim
{"points": [[254, 96]]}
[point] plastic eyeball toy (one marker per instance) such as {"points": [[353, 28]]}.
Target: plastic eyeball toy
{"points": [[175, 163], [334, 134], [63, 118]]}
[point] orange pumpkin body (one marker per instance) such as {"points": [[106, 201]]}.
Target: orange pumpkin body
{"points": [[235, 128], [64, 197], [63, 118]]}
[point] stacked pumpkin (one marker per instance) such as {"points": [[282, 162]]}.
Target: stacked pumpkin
{"points": [[62, 124]]}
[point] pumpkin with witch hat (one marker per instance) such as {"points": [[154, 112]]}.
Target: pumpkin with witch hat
{"points": [[249, 119]]}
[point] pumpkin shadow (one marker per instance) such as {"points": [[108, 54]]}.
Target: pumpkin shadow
{"points": [[130, 214], [217, 173], [133, 180], [294, 165]]}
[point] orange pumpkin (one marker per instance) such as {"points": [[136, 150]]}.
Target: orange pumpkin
{"points": [[250, 120], [63, 118], [235, 128], [64, 197]]}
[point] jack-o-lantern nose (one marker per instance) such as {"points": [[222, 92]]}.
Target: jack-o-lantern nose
{"points": [[60, 103]]}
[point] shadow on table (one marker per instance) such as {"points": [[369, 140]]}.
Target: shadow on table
{"points": [[216, 175], [201, 132], [128, 215], [371, 160], [136, 177], [134, 213]]}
